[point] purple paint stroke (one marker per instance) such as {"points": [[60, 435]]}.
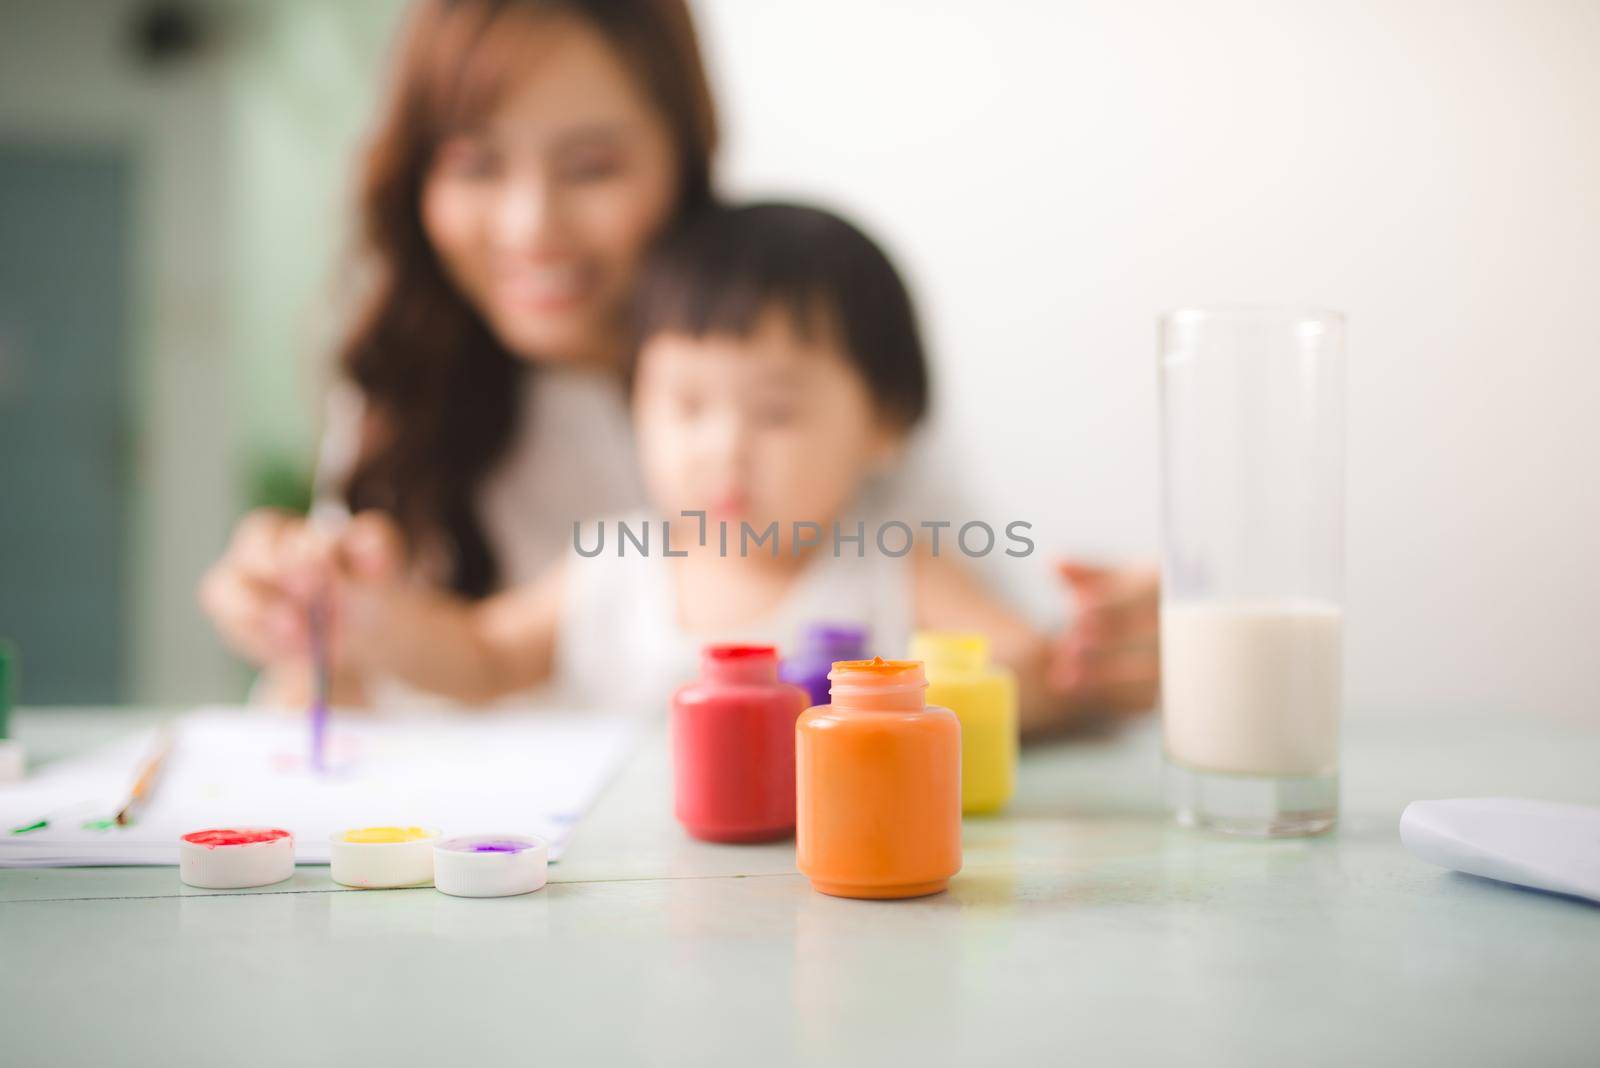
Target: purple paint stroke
{"points": [[487, 845], [319, 700]]}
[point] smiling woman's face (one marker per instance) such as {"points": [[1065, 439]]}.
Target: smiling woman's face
{"points": [[541, 213]]}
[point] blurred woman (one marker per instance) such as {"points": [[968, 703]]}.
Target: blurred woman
{"points": [[528, 153]]}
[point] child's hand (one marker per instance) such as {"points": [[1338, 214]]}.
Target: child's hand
{"points": [[1109, 660]]}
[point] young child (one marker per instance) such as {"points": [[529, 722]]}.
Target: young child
{"points": [[778, 371]]}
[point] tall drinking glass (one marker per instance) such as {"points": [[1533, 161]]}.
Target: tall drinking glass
{"points": [[1252, 421]]}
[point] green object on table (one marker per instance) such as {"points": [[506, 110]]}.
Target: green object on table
{"points": [[8, 674]]}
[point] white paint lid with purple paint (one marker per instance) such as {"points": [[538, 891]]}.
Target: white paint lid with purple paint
{"points": [[490, 865]]}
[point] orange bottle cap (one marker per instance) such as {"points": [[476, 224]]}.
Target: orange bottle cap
{"points": [[877, 676]]}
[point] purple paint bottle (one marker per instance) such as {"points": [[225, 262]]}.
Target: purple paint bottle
{"points": [[820, 645]]}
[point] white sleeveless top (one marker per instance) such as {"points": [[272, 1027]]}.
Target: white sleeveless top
{"points": [[572, 459], [620, 646]]}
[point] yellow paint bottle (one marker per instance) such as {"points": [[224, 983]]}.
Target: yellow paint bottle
{"points": [[984, 697]]}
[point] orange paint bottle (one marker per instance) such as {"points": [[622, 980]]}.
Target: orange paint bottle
{"points": [[878, 785]]}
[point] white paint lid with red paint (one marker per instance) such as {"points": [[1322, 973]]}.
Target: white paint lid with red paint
{"points": [[231, 858]]}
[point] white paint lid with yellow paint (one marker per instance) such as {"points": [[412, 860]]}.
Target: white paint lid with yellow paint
{"points": [[383, 857]]}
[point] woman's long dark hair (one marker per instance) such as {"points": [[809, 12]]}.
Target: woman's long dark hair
{"points": [[441, 392]]}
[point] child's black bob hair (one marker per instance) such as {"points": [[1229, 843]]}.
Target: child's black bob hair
{"points": [[719, 270]]}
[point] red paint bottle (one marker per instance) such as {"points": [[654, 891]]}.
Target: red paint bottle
{"points": [[733, 746]]}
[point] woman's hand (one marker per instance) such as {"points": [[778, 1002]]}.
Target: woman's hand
{"points": [[253, 594], [1109, 660], [259, 595]]}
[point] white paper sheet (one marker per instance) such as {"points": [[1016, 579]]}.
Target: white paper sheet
{"points": [[1542, 844], [480, 772]]}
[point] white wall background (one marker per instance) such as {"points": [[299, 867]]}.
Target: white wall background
{"points": [[1053, 174]]}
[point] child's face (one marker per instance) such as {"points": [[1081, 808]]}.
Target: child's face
{"points": [[756, 429]]}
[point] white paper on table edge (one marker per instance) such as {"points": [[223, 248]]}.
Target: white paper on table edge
{"points": [[1546, 845]]}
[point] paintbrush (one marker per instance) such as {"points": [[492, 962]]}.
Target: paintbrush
{"points": [[319, 682], [145, 784], [327, 522]]}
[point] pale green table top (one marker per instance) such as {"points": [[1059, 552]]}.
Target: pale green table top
{"points": [[1083, 927]]}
